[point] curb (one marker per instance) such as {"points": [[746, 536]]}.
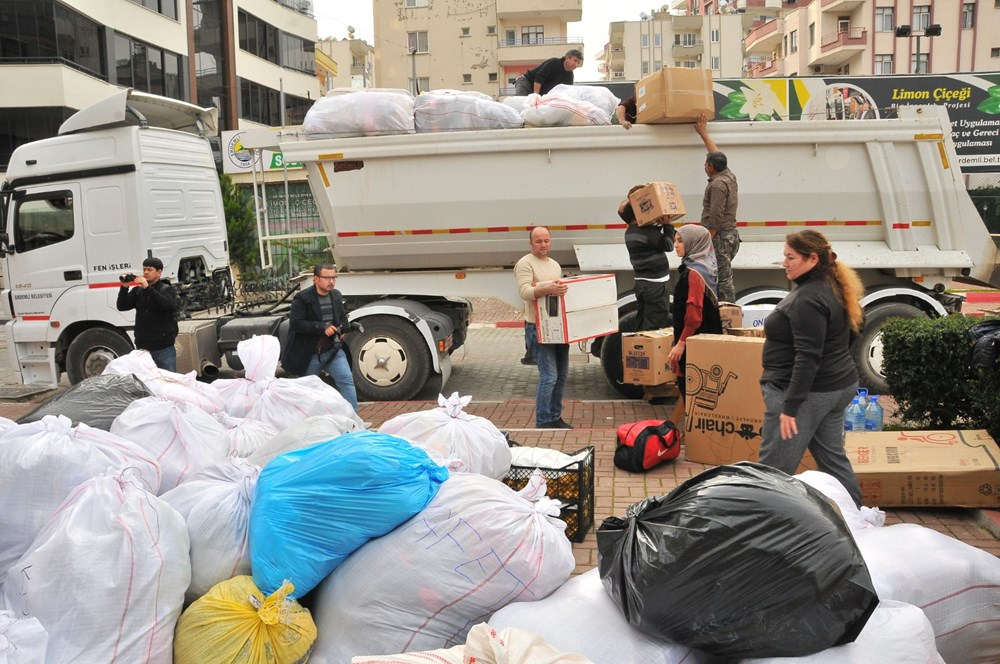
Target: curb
{"points": [[990, 521]]}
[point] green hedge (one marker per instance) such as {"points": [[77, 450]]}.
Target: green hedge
{"points": [[926, 367]]}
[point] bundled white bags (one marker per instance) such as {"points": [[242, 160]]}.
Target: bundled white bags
{"points": [[22, 640], [555, 110], [106, 575], [597, 95], [449, 432], [259, 355], [42, 462], [829, 486], [245, 435], [285, 402], [311, 430], [450, 110], [360, 112], [474, 549]]}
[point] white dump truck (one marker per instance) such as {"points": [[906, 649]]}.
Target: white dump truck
{"points": [[418, 223]]}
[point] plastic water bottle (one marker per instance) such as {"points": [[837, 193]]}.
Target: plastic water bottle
{"points": [[874, 414], [854, 417], [863, 398]]}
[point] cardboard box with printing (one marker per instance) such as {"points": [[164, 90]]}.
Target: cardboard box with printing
{"points": [[644, 357], [925, 468], [732, 315], [674, 94], [753, 315], [588, 309], [657, 201], [724, 409]]}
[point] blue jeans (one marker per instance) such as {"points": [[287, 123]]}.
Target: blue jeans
{"points": [[553, 369], [335, 363], [165, 358], [530, 342]]}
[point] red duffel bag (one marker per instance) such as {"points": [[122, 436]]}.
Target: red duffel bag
{"points": [[643, 445]]}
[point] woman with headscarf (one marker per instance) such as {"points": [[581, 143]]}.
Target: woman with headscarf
{"points": [[696, 305], [809, 376]]}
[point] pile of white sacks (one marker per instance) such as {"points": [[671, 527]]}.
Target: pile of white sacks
{"points": [[190, 531], [348, 112]]}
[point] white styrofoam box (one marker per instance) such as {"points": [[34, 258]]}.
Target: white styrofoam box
{"points": [[588, 309], [754, 314]]}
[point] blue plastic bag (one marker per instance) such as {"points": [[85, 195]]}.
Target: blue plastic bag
{"points": [[315, 506]]}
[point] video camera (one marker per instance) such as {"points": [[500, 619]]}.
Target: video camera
{"points": [[353, 326], [127, 278]]}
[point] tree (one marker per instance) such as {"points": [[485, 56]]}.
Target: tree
{"points": [[241, 227]]}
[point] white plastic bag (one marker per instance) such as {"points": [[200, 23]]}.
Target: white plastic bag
{"points": [[184, 388], [447, 110], [475, 548], [259, 355], [309, 431], [597, 95], [22, 640], [452, 433], [285, 402], [183, 437], [554, 110], [42, 462], [138, 362], [517, 103], [215, 505], [829, 486], [245, 435], [106, 575], [360, 112]]}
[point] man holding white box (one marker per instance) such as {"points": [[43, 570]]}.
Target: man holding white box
{"points": [[537, 277]]}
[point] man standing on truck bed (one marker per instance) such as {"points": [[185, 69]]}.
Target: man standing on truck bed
{"points": [[549, 74], [718, 212], [317, 326], [155, 302], [538, 276]]}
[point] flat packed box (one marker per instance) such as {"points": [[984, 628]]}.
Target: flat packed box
{"points": [[926, 468], [588, 309], [657, 201], [674, 94], [724, 409], [731, 314], [644, 357], [746, 332]]}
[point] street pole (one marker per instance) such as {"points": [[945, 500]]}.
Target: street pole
{"points": [[918, 55], [413, 60]]}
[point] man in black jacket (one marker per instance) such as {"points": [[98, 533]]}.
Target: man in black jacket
{"points": [[647, 246], [155, 302], [549, 74], [317, 328]]}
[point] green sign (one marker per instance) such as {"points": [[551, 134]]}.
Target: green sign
{"points": [[278, 162]]}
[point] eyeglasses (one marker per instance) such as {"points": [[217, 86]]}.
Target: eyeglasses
{"points": [[328, 278]]}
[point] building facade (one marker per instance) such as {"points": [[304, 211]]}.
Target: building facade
{"points": [[355, 60], [423, 45]]}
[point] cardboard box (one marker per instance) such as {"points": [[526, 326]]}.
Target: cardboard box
{"points": [[674, 94], [746, 332], [732, 315], [724, 409], [588, 309], [657, 201], [644, 357], [926, 468], [754, 314]]}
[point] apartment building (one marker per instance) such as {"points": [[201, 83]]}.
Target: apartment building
{"points": [[57, 56], [356, 62], [859, 37], [423, 45], [638, 48]]}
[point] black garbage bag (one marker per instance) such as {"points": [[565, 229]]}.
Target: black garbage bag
{"points": [[95, 401], [740, 561]]}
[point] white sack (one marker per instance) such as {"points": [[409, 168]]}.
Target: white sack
{"points": [[138, 362], [581, 617], [183, 437], [311, 430], [445, 110], [474, 549], [956, 585], [452, 433], [287, 401], [22, 640], [259, 355], [367, 112], [106, 574], [245, 435], [829, 486], [6, 425], [215, 505], [558, 111], [597, 95], [515, 102], [184, 388], [42, 462]]}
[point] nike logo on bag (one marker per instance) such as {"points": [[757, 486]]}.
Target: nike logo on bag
{"points": [[662, 452]]}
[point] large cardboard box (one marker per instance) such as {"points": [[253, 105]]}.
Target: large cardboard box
{"points": [[926, 468], [724, 409], [644, 357], [588, 309], [731, 314], [657, 201], [674, 94]]}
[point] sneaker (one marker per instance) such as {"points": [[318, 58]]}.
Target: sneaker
{"points": [[529, 361], [562, 424]]}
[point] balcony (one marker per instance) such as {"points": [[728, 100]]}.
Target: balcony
{"points": [[616, 32], [837, 48], [686, 23], [758, 6], [765, 37], [840, 6], [765, 68], [564, 10], [616, 55], [517, 52], [687, 51]]}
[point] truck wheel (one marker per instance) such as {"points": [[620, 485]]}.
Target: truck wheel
{"points": [[868, 346], [91, 350], [611, 358], [391, 360]]}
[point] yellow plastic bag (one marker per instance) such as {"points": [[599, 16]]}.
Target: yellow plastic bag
{"points": [[234, 622]]}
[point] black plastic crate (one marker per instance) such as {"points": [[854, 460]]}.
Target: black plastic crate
{"points": [[572, 485]]}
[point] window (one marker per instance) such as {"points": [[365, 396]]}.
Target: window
{"points": [[644, 41], [268, 43], [690, 64], [146, 67], [51, 32], [657, 66], [716, 62], [259, 103], [883, 64], [793, 44], [921, 17], [843, 24], [416, 42], [466, 31], [416, 3], [423, 84], [532, 34], [784, 45], [995, 52], [466, 78], [166, 7], [645, 68], [686, 39], [618, 74], [714, 35], [20, 125], [919, 66], [883, 19], [511, 37], [43, 219], [656, 40], [968, 15], [812, 34], [493, 77], [491, 29]]}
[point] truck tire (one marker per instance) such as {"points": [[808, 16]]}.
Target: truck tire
{"points": [[868, 346], [391, 359], [89, 353], [611, 358]]}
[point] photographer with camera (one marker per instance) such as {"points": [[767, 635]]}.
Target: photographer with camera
{"points": [[155, 302], [317, 327]]}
